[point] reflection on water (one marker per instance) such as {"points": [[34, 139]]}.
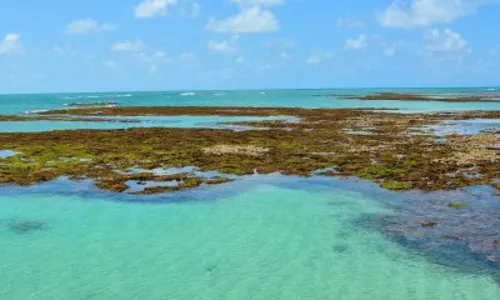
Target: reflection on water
{"points": [[464, 127], [262, 237]]}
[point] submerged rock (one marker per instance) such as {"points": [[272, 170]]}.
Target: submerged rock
{"points": [[455, 205], [429, 224], [22, 227]]}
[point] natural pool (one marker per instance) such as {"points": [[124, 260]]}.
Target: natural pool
{"points": [[262, 237], [215, 122]]}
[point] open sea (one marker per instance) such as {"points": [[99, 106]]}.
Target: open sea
{"points": [[260, 237]]}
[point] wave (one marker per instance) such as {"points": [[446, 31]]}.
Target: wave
{"points": [[92, 104], [188, 94], [97, 96], [35, 112]]}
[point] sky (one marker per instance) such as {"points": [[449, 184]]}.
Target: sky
{"points": [[135, 45]]}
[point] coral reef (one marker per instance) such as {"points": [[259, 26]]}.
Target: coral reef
{"points": [[423, 97], [395, 154]]}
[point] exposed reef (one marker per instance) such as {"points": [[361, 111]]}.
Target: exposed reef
{"points": [[423, 97], [396, 153]]}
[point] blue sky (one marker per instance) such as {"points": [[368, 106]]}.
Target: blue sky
{"points": [[61, 46]]}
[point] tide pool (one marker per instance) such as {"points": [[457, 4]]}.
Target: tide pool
{"points": [[214, 122], [263, 237]]}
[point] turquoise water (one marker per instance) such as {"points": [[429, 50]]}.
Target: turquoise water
{"points": [[144, 122], [16, 104], [268, 237], [260, 237]]}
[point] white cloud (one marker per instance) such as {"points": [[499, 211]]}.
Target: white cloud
{"points": [[154, 61], [349, 22], [318, 57], [187, 56], [129, 46], [86, 26], [418, 13], [11, 44], [446, 41], [253, 19], [259, 2], [153, 8], [225, 47], [357, 43]]}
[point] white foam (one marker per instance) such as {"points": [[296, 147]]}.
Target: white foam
{"points": [[34, 112]]}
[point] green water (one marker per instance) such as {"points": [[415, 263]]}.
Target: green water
{"points": [[256, 240]]}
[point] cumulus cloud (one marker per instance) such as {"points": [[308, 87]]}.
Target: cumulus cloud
{"points": [[153, 8], [419, 13], [224, 47], [446, 41], [253, 19], [11, 44], [357, 43], [317, 58], [154, 60], [129, 46], [86, 26]]}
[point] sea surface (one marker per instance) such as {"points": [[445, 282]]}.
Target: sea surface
{"points": [[260, 237]]}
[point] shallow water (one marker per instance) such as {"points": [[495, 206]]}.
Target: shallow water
{"points": [[261, 237], [264, 237], [215, 122], [464, 127]]}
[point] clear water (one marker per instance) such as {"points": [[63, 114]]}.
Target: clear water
{"points": [[7, 153], [260, 238], [465, 127], [143, 122], [16, 104]]}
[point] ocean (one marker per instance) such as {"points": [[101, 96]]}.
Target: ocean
{"points": [[261, 237]]}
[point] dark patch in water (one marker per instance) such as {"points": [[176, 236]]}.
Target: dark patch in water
{"points": [[340, 248], [343, 235], [211, 268], [23, 227], [466, 239]]}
